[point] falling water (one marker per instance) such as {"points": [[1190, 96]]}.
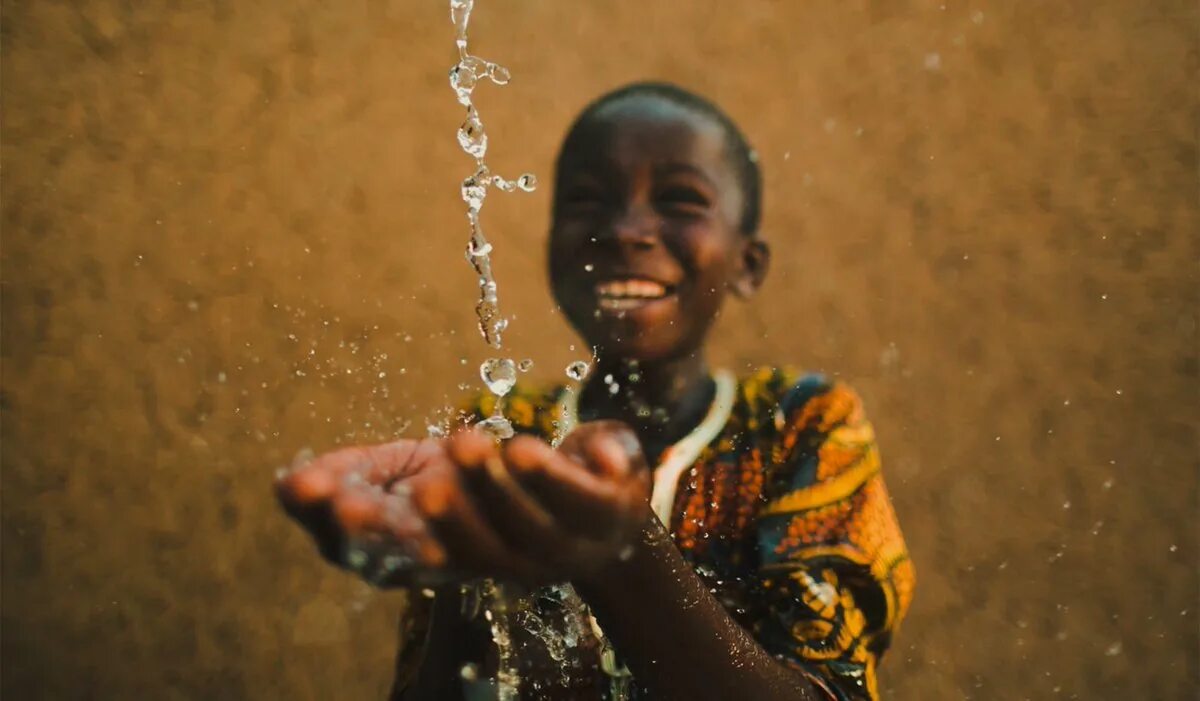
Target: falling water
{"points": [[499, 374]]}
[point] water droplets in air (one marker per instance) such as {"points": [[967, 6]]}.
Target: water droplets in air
{"points": [[471, 136], [499, 374], [578, 370], [465, 76]]}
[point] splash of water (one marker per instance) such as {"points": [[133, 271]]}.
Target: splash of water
{"points": [[465, 76], [499, 374]]}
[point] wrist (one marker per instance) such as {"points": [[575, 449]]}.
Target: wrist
{"points": [[633, 567]]}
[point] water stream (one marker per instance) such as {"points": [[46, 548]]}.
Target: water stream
{"points": [[499, 374]]}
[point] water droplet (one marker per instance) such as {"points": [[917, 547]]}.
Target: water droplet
{"points": [[475, 250], [499, 74], [463, 80], [356, 559], [578, 370], [527, 182], [497, 427], [500, 374], [435, 431], [474, 190], [589, 267], [525, 365], [471, 136]]}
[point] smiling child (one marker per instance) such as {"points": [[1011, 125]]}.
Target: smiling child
{"points": [[724, 537]]}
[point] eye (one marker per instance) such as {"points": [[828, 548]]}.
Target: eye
{"points": [[683, 198]]}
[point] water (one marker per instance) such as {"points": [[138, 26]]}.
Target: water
{"points": [[578, 370], [499, 375], [465, 77]]}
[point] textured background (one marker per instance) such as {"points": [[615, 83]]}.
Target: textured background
{"points": [[231, 230]]}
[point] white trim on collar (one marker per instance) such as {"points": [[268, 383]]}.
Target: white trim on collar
{"points": [[682, 454]]}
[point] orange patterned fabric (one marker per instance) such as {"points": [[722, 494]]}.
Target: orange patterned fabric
{"points": [[787, 518]]}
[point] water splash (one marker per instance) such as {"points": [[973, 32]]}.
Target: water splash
{"points": [[578, 370], [499, 374], [465, 76]]}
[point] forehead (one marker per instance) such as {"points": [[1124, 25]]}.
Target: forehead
{"points": [[646, 130]]}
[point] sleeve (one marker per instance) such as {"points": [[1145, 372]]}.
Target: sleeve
{"points": [[834, 577]]}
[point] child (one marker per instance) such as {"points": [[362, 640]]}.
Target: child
{"points": [[759, 559]]}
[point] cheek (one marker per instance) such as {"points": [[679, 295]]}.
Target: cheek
{"points": [[708, 259]]}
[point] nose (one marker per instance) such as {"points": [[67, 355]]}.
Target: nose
{"points": [[635, 227]]}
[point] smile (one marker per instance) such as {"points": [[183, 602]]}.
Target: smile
{"points": [[629, 294]]}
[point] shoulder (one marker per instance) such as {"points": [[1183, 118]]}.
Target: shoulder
{"points": [[786, 401], [821, 437]]}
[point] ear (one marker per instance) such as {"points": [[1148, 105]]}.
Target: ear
{"points": [[755, 260]]}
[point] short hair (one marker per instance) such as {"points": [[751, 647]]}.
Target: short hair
{"points": [[738, 151]]}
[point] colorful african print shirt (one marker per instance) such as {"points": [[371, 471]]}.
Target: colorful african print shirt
{"points": [[778, 503]]}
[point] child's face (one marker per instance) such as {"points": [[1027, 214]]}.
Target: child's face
{"points": [[645, 242]]}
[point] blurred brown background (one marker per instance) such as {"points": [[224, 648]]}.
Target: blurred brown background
{"points": [[232, 230]]}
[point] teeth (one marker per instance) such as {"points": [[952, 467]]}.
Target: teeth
{"points": [[618, 304], [630, 290]]}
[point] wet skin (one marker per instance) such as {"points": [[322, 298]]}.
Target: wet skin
{"points": [[645, 197]]}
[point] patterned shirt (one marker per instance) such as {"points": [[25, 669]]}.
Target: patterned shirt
{"points": [[783, 512]]}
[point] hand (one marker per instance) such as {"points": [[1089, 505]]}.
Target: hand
{"points": [[355, 503], [524, 512]]}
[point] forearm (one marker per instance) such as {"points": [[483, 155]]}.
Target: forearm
{"points": [[677, 639]]}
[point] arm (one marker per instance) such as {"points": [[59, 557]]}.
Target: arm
{"points": [[677, 639]]}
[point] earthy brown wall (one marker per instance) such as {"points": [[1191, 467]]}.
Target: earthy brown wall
{"points": [[231, 230]]}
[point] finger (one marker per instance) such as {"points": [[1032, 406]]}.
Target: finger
{"points": [[582, 502], [383, 539], [613, 454], [520, 521], [320, 478], [472, 545], [607, 448]]}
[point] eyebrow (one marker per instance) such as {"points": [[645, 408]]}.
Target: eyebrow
{"points": [[603, 168], [671, 168]]}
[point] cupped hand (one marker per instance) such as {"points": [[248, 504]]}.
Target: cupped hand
{"points": [[463, 507]]}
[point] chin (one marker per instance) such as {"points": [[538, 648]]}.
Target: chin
{"points": [[644, 347]]}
